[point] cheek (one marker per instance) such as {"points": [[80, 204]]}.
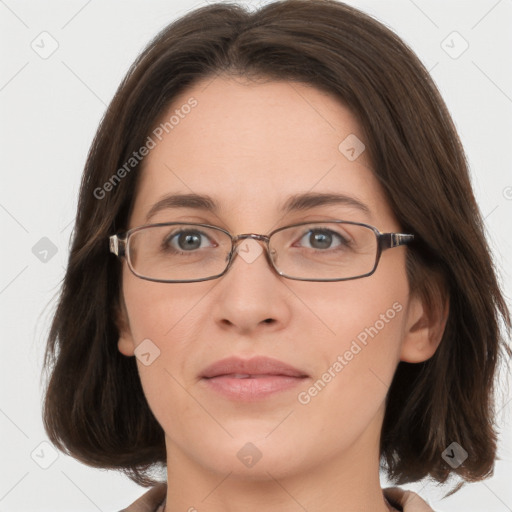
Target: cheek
{"points": [[370, 310], [361, 350], [358, 330], [163, 318], [363, 318], [158, 310], [373, 321]]}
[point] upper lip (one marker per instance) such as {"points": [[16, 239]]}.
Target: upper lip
{"points": [[258, 365]]}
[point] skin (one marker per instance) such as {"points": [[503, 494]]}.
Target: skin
{"points": [[249, 146]]}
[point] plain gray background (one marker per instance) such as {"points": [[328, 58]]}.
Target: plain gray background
{"points": [[50, 109]]}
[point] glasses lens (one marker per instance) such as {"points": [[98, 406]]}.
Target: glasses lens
{"points": [[178, 252], [327, 250]]}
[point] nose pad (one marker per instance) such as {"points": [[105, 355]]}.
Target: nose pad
{"points": [[272, 256]]}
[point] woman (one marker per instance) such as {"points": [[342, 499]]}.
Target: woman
{"points": [[298, 291]]}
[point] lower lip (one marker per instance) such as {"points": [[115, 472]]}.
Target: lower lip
{"points": [[254, 388]]}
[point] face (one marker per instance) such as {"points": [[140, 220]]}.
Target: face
{"points": [[249, 147]]}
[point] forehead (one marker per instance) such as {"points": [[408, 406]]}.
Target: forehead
{"points": [[250, 145]]}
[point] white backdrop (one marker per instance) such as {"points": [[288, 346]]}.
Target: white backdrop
{"points": [[61, 64]]}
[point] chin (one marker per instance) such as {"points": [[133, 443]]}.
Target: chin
{"points": [[254, 456]]}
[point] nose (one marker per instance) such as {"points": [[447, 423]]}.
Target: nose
{"points": [[251, 296]]}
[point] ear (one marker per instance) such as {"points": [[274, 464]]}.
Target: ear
{"points": [[424, 327], [125, 343]]}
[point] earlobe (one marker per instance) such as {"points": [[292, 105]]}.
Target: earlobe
{"points": [[125, 343], [424, 329]]}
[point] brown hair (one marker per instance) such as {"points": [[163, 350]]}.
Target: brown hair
{"points": [[95, 407]]}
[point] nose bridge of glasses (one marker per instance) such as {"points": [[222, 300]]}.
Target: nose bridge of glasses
{"points": [[253, 236]]}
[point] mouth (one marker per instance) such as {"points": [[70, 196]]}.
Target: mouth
{"points": [[251, 379]]}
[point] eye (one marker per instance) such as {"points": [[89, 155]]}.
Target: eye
{"points": [[323, 239], [186, 240]]}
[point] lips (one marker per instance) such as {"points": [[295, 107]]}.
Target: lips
{"points": [[250, 380], [255, 367]]}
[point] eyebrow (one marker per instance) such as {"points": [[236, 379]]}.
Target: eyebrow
{"points": [[297, 202]]}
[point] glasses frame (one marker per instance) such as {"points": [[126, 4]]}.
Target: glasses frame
{"points": [[119, 245]]}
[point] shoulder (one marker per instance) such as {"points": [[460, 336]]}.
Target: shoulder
{"points": [[408, 501], [150, 501]]}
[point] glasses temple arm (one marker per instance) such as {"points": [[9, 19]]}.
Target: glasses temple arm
{"points": [[117, 245], [390, 240]]}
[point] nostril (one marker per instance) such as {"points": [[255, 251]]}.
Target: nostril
{"points": [[268, 320]]}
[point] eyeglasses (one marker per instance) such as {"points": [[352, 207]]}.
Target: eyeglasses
{"points": [[175, 252]]}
